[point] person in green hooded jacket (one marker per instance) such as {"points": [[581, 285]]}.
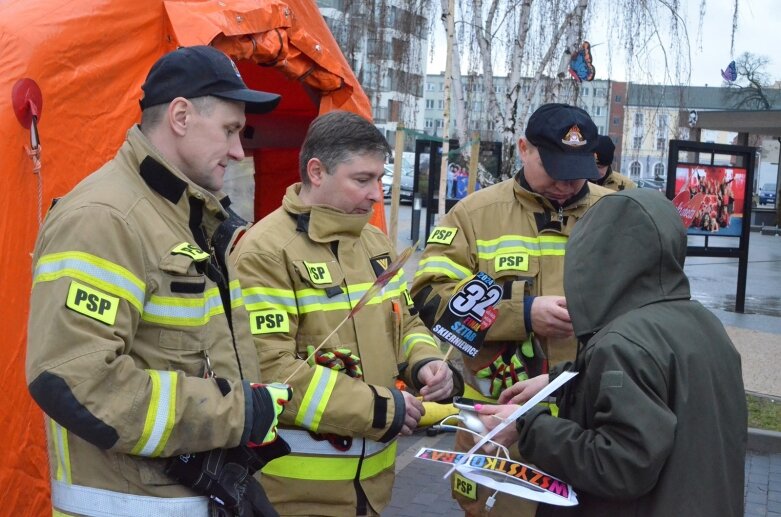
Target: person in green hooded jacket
{"points": [[655, 422]]}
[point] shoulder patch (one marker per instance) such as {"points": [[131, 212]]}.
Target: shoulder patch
{"points": [[92, 303], [380, 263], [442, 235], [269, 322], [190, 250]]}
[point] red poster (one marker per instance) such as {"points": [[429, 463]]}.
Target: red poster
{"points": [[710, 199]]}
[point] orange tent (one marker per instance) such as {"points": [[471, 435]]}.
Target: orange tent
{"points": [[89, 58]]}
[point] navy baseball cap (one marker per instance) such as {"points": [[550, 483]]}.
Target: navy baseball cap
{"points": [[198, 71], [605, 150], [566, 139]]}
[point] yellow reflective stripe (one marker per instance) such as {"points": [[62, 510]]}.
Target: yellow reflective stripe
{"points": [[97, 272], [316, 300], [184, 312], [439, 264], [331, 468], [237, 300], [413, 339], [160, 414], [59, 437], [544, 245], [316, 398], [260, 298]]}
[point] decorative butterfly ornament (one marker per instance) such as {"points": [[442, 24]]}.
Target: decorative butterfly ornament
{"points": [[580, 67], [730, 73]]}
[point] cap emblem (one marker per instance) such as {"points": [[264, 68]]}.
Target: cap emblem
{"points": [[573, 138], [235, 68]]}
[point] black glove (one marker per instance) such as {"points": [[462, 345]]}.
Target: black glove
{"points": [[268, 402], [226, 476]]}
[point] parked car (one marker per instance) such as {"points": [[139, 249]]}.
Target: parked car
{"points": [[654, 184], [767, 194], [407, 183]]}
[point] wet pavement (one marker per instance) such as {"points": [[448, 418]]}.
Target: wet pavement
{"points": [[420, 489]]}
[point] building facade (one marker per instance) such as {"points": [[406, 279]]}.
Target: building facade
{"points": [[385, 42]]}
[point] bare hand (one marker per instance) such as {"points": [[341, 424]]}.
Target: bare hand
{"points": [[437, 380], [522, 391], [494, 414], [413, 411], [550, 317]]}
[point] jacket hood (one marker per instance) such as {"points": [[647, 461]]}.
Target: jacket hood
{"points": [[628, 251]]}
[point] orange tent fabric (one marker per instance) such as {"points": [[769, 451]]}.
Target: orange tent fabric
{"points": [[89, 58]]}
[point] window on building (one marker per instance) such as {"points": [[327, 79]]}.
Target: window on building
{"points": [[441, 104], [634, 169], [616, 120], [442, 87], [430, 87], [440, 122], [585, 92], [658, 171], [429, 104], [661, 122], [429, 123], [637, 142], [661, 143], [598, 110], [618, 98], [601, 130], [638, 119]]}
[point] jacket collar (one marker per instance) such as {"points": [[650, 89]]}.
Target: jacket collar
{"points": [[524, 192], [168, 181], [322, 223]]}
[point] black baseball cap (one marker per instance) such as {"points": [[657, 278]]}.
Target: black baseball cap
{"points": [[566, 139], [605, 150], [198, 71]]}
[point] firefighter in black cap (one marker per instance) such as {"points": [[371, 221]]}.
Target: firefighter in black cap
{"points": [[609, 178]]}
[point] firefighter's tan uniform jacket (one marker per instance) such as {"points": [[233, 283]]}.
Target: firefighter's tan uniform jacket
{"points": [[518, 238], [124, 314], [615, 181], [302, 269]]}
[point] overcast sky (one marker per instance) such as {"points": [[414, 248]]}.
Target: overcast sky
{"points": [[759, 32]]}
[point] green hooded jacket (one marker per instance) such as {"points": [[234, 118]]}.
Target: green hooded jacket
{"points": [[655, 422]]}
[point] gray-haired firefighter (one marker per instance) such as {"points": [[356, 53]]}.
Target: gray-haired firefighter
{"points": [[139, 350]]}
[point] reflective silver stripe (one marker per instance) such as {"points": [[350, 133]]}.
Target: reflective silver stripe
{"points": [[301, 442], [97, 502]]}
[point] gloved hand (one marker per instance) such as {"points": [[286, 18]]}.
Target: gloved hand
{"points": [[505, 370], [268, 402], [341, 359], [226, 475]]}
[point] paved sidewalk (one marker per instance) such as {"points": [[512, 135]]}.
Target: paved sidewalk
{"points": [[420, 491]]}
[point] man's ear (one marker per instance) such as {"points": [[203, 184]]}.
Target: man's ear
{"points": [[523, 146], [315, 171], [179, 111]]}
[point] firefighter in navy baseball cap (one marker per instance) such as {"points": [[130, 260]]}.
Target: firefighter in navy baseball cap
{"points": [[566, 139]]}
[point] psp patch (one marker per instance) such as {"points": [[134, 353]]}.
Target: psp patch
{"points": [[269, 322], [318, 272], [442, 235], [512, 262], [465, 487], [92, 303], [190, 250]]}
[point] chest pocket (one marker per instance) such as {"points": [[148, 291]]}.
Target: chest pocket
{"points": [[516, 267], [179, 311], [322, 303]]}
